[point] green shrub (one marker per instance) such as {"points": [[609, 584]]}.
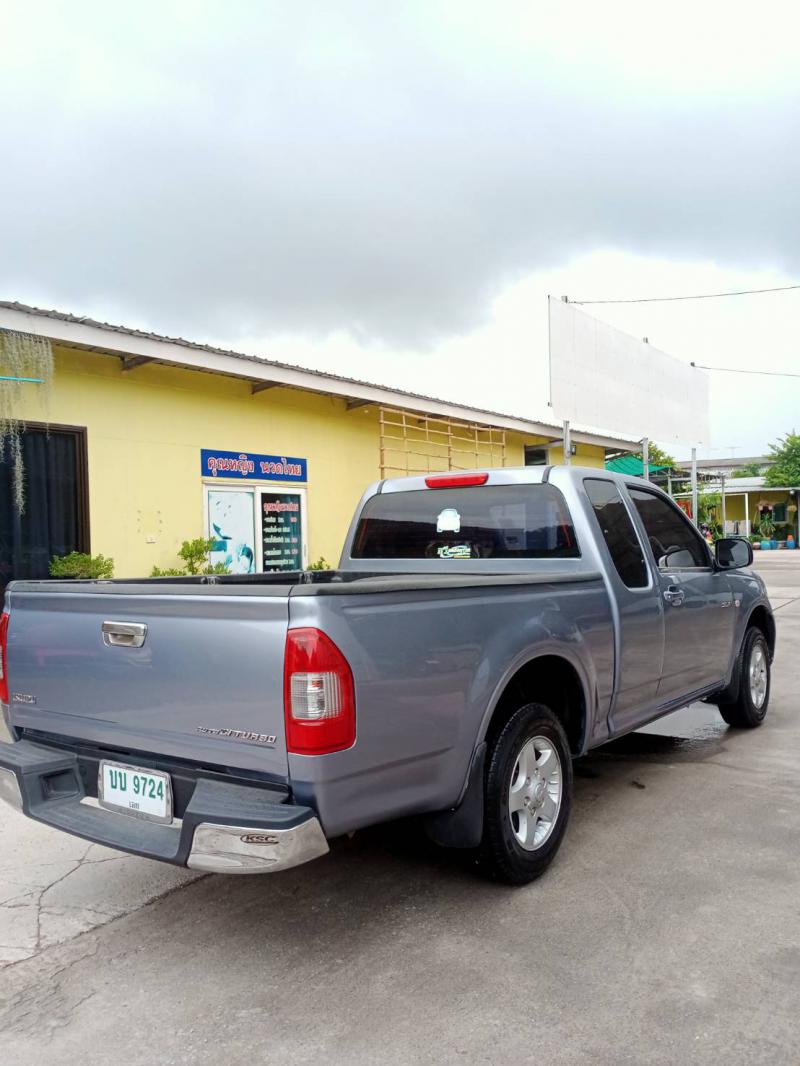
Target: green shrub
{"points": [[321, 564], [79, 564], [195, 556]]}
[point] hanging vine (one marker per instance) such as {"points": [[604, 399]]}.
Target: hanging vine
{"points": [[22, 355]]}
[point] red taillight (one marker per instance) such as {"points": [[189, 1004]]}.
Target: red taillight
{"points": [[318, 695], [455, 481], [3, 664]]}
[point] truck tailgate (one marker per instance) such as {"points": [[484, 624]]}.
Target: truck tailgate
{"points": [[206, 684]]}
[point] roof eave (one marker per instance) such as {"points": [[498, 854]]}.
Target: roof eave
{"points": [[88, 335]]}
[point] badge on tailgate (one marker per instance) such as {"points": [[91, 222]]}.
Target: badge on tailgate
{"points": [[238, 734]]}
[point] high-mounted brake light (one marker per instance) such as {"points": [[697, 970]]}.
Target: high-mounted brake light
{"points": [[318, 695], [3, 661], [455, 481]]}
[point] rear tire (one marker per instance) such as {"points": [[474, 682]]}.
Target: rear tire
{"points": [[528, 796], [749, 708]]}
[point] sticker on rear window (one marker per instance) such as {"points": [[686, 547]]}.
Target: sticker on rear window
{"points": [[448, 521], [455, 551]]}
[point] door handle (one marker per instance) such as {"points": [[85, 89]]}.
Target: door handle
{"points": [[674, 595], [124, 634]]}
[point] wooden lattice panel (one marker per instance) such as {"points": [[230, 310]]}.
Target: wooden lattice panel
{"points": [[423, 444]]}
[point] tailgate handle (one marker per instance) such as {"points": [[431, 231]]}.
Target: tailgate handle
{"points": [[124, 634]]}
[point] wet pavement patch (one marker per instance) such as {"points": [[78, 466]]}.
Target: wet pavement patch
{"points": [[690, 735]]}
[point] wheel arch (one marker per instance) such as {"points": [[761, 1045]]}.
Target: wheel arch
{"points": [[761, 618], [550, 678], [554, 680]]}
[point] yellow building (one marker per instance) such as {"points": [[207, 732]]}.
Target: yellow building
{"points": [[749, 501], [140, 442]]}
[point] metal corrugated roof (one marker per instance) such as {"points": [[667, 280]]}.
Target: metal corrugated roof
{"points": [[632, 466]]}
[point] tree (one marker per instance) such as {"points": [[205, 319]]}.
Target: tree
{"points": [[709, 508], [655, 456], [751, 470], [785, 455]]}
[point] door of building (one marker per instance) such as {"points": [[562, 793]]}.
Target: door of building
{"points": [[55, 518]]}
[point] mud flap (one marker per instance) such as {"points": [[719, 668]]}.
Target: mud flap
{"points": [[462, 827]]}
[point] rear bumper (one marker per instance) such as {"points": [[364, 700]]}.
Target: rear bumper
{"points": [[226, 828]]}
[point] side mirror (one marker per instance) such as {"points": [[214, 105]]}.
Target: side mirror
{"points": [[733, 552], [677, 559]]}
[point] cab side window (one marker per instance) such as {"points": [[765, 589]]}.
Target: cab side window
{"points": [[675, 542], [618, 532]]}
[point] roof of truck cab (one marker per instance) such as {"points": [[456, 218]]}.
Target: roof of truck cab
{"points": [[509, 475]]}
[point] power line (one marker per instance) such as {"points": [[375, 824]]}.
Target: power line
{"points": [[733, 370], [699, 296]]}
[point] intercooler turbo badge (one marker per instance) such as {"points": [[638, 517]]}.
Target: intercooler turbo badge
{"points": [[238, 734]]}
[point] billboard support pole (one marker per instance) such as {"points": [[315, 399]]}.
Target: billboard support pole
{"points": [[549, 359], [645, 458], [694, 487], [567, 445]]}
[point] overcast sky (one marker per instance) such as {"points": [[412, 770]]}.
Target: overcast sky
{"points": [[391, 190]]}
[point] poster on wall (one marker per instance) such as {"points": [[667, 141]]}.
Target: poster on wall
{"points": [[281, 530], [230, 527]]}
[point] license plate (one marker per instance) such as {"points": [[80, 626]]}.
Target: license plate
{"points": [[132, 790]]}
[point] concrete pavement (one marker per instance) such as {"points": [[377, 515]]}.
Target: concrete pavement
{"points": [[667, 930]]}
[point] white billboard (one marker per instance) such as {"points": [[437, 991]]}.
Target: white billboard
{"points": [[603, 379]]}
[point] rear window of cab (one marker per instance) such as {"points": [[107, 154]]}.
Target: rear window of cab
{"points": [[488, 522]]}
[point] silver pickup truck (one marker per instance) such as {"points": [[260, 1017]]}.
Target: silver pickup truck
{"points": [[483, 629]]}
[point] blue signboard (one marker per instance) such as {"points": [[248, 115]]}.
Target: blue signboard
{"points": [[248, 466]]}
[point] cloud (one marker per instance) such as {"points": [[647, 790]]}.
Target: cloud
{"points": [[260, 168]]}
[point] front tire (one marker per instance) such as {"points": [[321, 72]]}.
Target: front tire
{"points": [[749, 708], [528, 796]]}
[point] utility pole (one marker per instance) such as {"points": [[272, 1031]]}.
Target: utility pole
{"points": [[645, 458], [694, 487], [567, 445]]}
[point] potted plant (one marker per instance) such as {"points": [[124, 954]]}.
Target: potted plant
{"points": [[766, 527], [782, 530]]}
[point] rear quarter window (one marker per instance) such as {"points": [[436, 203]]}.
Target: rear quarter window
{"points": [[616, 529], [485, 522]]}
